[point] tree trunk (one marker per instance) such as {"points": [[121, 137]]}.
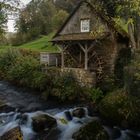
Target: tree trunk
{"points": [[137, 31], [132, 35]]}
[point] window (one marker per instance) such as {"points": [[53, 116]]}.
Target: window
{"points": [[85, 23]]}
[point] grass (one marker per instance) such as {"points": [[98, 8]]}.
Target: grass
{"points": [[41, 44], [3, 48]]}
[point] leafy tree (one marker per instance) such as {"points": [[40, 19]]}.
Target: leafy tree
{"points": [[66, 5], [128, 11], [59, 18], [6, 7], [38, 18]]}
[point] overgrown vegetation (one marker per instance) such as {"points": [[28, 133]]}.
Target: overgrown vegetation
{"points": [[132, 76], [24, 69], [121, 106], [121, 109]]}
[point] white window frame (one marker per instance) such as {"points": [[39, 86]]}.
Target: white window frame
{"points": [[85, 25]]}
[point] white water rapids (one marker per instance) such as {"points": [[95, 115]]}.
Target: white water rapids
{"points": [[11, 120]]}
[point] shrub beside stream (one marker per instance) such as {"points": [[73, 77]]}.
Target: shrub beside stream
{"points": [[26, 70], [121, 109]]}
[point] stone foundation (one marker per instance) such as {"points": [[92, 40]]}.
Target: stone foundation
{"points": [[84, 77]]}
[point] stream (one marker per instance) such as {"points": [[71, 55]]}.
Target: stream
{"points": [[29, 105]]}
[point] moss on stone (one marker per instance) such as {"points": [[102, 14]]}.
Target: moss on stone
{"points": [[92, 131]]}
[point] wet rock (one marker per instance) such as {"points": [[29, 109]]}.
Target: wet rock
{"points": [[133, 135], [91, 131], [53, 135], [92, 110], [43, 123], [68, 115], [116, 133], [4, 108], [23, 118], [13, 134], [125, 124], [79, 112], [32, 107]]}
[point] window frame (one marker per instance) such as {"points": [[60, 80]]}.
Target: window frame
{"points": [[81, 25]]}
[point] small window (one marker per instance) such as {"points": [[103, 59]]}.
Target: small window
{"points": [[85, 25]]}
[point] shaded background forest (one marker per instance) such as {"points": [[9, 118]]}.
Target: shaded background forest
{"points": [[41, 17]]}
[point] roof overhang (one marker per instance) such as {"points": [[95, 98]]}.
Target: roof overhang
{"points": [[78, 37]]}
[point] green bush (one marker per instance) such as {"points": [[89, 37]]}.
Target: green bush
{"points": [[22, 70], [94, 94], [66, 87], [7, 59], [121, 109], [107, 84], [132, 78]]}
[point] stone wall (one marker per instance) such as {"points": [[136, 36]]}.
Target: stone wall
{"points": [[84, 77]]}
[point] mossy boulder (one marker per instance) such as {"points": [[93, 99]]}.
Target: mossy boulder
{"points": [[92, 131], [13, 134], [79, 112], [43, 123]]}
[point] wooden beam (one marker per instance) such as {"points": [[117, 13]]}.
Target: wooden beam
{"points": [[61, 48], [82, 47], [80, 57], [91, 47], [86, 57], [93, 54], [85, 50], [62, 59], [72, 57]]}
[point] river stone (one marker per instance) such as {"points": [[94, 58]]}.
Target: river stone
{"points": [[54, 134], [92, 109], [23, 118], [79, 112], [92, 131], [116, 133], [68, 115], [43, 122], [4, 108], [133, 135], [13, 134]]}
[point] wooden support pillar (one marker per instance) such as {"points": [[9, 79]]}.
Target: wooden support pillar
{"points": [[62, 59], [86, 57], [62, 49], [80, 57], [86, 50]]}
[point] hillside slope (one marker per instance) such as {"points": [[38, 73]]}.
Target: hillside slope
{"points": [[41, 44]]}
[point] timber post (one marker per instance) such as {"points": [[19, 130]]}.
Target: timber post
{"points": [[86, 50], [86, 57], [62, 59], [62, 49]]}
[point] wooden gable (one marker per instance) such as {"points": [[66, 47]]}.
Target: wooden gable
{"points": [[71, 29]]}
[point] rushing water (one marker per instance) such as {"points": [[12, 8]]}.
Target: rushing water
{"points": [[29, 106], [11, 120]]}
